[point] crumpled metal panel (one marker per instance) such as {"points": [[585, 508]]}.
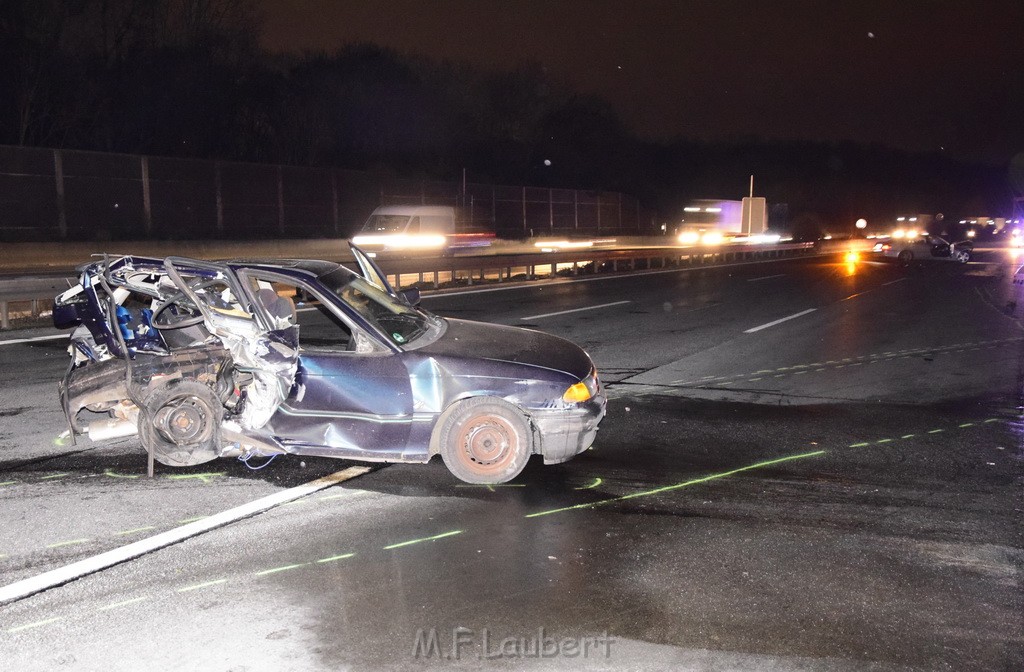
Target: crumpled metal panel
{"points": [[354, 404], [271, 358], [106, 381], [371, 406]]}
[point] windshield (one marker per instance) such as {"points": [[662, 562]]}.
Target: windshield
{"points": [[401, 323], [386, 224]]}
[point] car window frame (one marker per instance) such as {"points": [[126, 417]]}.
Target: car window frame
{"points": [[320, 292]]}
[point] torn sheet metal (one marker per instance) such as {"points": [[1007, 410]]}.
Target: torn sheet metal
{"points": [[207, 359]]}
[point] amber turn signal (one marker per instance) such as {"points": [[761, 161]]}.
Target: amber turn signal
{"points": [[576, 393]]}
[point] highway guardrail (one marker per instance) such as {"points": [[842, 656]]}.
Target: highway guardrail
{"points": [[30, 295]]}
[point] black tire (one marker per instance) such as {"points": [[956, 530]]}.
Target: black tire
{"points": [[962, 256], [905, 257], [181, 422], [485, 440]]}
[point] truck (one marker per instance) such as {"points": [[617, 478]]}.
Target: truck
{"points": [[426, 228], [710, 221]]}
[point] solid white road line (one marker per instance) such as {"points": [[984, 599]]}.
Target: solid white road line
{"points": [[574, 310], [767, 277], [33, 339], [780, 321], [893, 282], [75, 570]]}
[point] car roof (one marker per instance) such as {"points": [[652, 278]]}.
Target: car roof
{"points": [[292, 267], [315, 267]]}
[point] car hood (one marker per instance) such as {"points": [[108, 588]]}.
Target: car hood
{"points": [[509, 344]]}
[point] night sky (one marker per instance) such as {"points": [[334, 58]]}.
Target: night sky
{"points": [[914, 75]]}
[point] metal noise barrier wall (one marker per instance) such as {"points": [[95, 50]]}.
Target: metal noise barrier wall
{"points": [[58, 195]]}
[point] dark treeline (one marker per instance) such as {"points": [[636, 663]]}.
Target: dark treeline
{"points": [[189, 78]]}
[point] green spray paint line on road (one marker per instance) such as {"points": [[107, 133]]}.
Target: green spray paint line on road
{"points": [[29, 626], [275, 570], [418, 541], [124, 603], [202, 585], [68, 543], [136, 530], [667, 488], [597, 482]]}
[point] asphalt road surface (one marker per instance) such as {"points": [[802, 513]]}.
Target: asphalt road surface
{"points": [[805, 466]]}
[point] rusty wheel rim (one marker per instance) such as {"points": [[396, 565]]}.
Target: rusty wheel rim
{"points": [[487, 444], [184, 421]]}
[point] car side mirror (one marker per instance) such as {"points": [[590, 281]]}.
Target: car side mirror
{"points": [[410, 296]]}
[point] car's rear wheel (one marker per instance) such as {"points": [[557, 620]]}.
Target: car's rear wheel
{"points": [[180, 422], [485, 440], [905, 257]]}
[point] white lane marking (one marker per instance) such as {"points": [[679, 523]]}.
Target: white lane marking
{"points": [[33, 339], [574, 310], [780, 321], [442, 293], [61, 575], [767, 277], [893, 282]]}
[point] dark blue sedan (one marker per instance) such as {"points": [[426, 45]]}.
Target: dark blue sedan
{"points": [[251, 358]]}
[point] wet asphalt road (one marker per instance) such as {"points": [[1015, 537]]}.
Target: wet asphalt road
{"points": [[840, 490]]}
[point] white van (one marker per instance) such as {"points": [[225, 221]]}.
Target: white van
{"points": [[416, 227]]}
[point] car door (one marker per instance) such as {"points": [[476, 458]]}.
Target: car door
{"points": [[939, 247], [371, 271], [351, 395]]}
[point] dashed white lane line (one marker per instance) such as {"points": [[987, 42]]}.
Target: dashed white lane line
{"points": [[575, 310], [767, 277], [75, 570], [780, 321]]}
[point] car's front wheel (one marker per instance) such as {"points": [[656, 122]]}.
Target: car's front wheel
{"points": [[905, 257], [485, 440], [962, 256]]}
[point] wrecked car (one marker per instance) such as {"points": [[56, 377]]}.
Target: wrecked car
{"points": [[245, 358]]}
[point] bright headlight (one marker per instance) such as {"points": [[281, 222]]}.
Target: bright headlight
{"points": [[402, 241]]}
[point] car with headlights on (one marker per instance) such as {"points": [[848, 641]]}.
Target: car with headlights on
{"points": [[246, 358], [924, 247]]}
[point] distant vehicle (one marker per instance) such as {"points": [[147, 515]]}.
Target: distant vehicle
{"points": [[213, 359], [712, 222], [924, 247], [405, 228]]}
